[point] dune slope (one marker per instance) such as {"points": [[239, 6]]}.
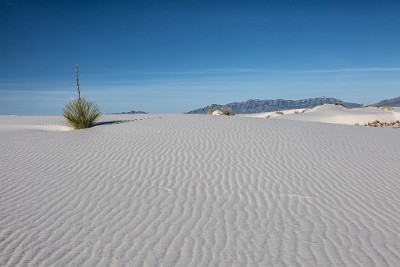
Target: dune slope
{"points": [[193, 190], [330, 113]]}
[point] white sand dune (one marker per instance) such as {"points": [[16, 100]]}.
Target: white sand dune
{"points": [[196, 190], [330, 113], [44, 123]]}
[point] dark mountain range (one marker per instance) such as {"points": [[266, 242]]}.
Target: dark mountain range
{"points": [[394, 102], [257, 106]]}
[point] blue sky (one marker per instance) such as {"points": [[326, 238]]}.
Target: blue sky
{"points": [[175, 56]]}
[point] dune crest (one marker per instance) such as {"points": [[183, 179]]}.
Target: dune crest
{"points": [[336, 114]]}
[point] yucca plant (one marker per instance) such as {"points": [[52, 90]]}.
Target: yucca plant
{"points": [[81, 113]]}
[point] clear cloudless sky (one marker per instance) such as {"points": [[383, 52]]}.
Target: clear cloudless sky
{"points": [[175, 56]]}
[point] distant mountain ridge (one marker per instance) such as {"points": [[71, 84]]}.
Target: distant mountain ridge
{"points": [[393, 102], [258, 106], [131, 112]]}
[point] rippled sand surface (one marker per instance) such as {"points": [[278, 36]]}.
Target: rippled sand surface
{"points": [[196, 190]]}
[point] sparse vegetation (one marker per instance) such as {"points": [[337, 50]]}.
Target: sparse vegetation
{"points": [[224, 111], [81, 113], [375, 106], [388, 108], [339, 104], [377, 123], [296, 112], [228, 112], [279, 113], [211, 110]]}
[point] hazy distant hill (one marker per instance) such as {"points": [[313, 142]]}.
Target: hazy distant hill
{"points": [[257, 106], [132, 112], [394, 102]]}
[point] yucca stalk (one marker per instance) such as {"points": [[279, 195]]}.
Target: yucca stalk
{"points": [[77, 81], [81, 113]]}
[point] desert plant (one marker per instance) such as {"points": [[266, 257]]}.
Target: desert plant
{"points": [[227, 112], [211, 110], [81, 113], [388, 108], [392, 124], [224, 111], [339, 104], [279, 113]]}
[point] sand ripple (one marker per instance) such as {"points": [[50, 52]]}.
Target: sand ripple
{"points": [[188, 190]]}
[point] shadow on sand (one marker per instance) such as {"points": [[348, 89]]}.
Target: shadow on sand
{"points": [[116, 122]]}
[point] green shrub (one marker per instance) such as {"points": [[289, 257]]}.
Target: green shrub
{"points": [[81, 113]]}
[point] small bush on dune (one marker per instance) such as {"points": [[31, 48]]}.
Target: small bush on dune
{"points": [[81, 113], [211, 110], [339, 104], [227, 112], [224, 111], [377, 123]]}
